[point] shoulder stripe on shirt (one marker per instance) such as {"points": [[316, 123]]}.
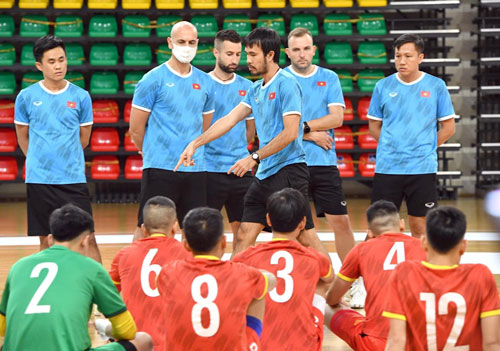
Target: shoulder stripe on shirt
{"points": [[266, 286], [489, 314], [347, 279], [393, 315]]}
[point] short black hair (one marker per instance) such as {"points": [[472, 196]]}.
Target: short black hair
{"points": [[267, 39], [159, 212], [380, 208], [229, 35], [286, 209], [203, 228], [69, 221], [445, 228], [46, 43], [409, 38]]}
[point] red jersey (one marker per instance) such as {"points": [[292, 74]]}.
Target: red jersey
{"points": [[442, 305], [134, 271], [206, 302], [375, 260], [289, 319]]}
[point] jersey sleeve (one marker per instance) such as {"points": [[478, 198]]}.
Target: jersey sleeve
{"points": [[290, 96], [375, 109], [258, 282], [106, 297], [335, 96], [350, 270], [5, 298], [114, 272], [490, 301], [209, 106], [21, 115], [86, 116], [145, 93], [393, 304], [445, 107]]}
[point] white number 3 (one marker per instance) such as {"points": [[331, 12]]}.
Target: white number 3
{"points": [[33, 306]]}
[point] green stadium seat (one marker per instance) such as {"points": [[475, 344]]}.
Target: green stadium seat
{"points": [[137, 55], [103, 26], [165, 24], [163, 53], [136, 26], [7, 54], [333, 26], [239, 23], [338, 53], [7, 83], [204, 55], [368, 78], [76, 78], [104, 83], [102, 54], [306, 21], [31, 78], [345, 79], [315, 60], [206, 25], [74, 54], [372, 52], [27, 58], [6, 26], [371, 24], [276, 22], [283, 56], [68, 27], [131, 80], [243, 57], [31, 28]]}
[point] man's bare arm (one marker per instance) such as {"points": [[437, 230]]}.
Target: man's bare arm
{"points": [[85, 135], [375, 128], [23, 137], [137, 129], [333, 119]]}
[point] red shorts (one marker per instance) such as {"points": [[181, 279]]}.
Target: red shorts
{"points": [[253, 340], [348, 325]]}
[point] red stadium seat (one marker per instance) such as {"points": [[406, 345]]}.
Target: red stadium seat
{"points": [[105, 167], [348, 111], [126, 111], [367, 165], [8, 168], [133, 167], [128, 144], [8, 140], [365, 140], [363, 105], [343, 138], [24, 171], [105, 111], [345, 165], [6, 111], [104, 139]]}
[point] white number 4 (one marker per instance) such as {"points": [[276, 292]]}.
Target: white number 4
{"points": [[33, 306], [398, 250]]}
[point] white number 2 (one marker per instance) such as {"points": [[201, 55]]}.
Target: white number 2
{"points": [[283, 274], [205, 302], [33, 306], [398, 250], [146, 270], [430, 317]]}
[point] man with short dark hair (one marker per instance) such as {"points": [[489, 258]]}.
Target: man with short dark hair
{"points": [[440, 304], [374, 260], [295, 309], [276, 102], [48, 297], [53, 121], [135, 268], [207, 300], [225, 189], [404, 111]]}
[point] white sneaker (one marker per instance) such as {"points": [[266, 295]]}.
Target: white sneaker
{"points": [[358, 294], [101, 325]]}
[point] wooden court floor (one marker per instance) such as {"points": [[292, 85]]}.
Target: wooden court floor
{"points": [[116, 219]]}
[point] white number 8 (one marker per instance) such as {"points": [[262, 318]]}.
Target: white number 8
{"points": [[205, 302]]}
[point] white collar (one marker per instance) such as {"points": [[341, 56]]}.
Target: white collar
{"points": [[54, 92]]}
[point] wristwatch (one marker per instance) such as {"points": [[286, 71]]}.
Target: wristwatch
{"points": [[255, 157], [307, 129]]}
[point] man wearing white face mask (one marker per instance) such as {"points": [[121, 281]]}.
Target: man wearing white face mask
{"points": [[172, 105]]}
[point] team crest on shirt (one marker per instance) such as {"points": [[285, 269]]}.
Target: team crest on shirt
{"points": [[321, 84], [272, 96], [425, 94], [71, 104], [196, 86], [242, 92]]}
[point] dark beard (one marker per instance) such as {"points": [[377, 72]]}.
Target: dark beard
{"points": [[226, 69]]}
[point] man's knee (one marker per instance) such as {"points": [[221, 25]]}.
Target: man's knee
{"points": [[143, 342]]}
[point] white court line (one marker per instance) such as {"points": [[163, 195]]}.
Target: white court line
{"points": [[263, 237]]}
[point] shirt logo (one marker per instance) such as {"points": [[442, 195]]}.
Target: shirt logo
{"points": [[242, 92], [272, 96], [393, 94], [321, 84], [71, 104], [37, 103], [170, 85], [343, 203], [425, 94], [429, 205], [196, 86]]}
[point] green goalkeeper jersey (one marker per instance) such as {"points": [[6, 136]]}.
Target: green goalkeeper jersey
{"points": [[48, 300]]}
